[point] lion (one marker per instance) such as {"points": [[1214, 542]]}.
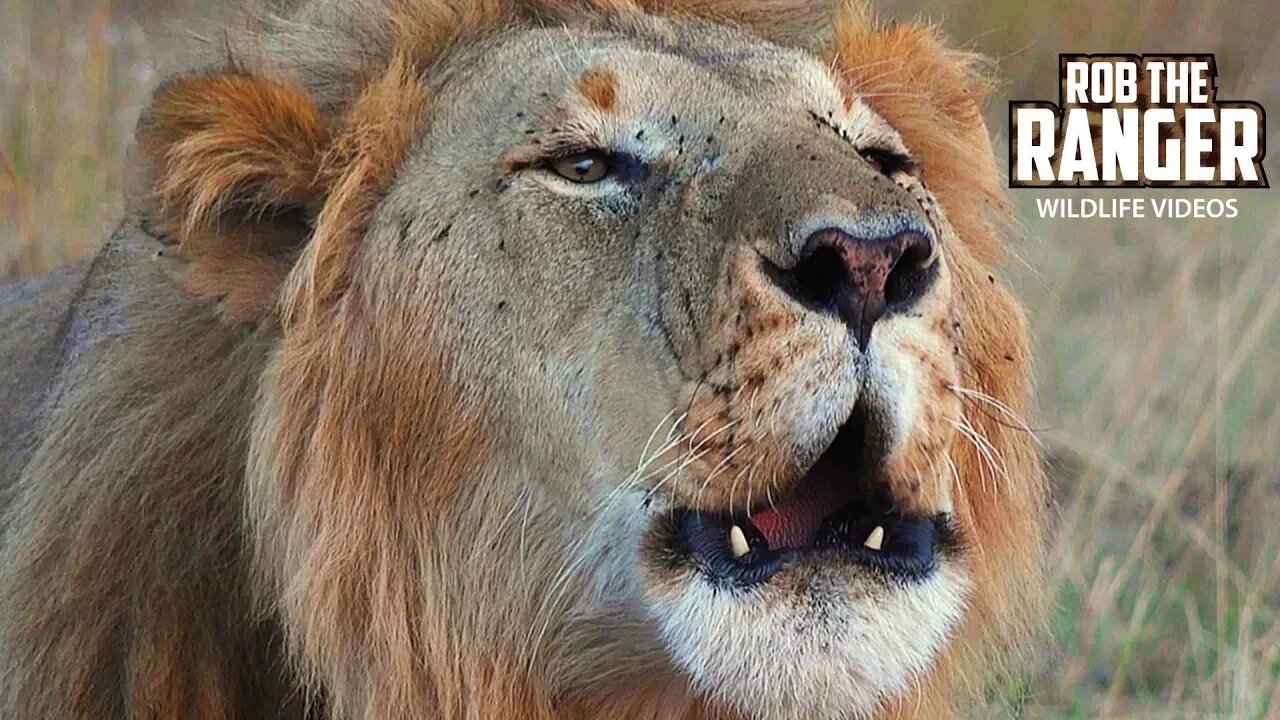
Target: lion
{"points": [[533, 359]]}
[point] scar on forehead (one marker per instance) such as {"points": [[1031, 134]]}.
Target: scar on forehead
{"points": [[600, 88]]}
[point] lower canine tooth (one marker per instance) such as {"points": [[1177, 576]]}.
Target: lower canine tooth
{"points": [[875, 540], [738, 542]]}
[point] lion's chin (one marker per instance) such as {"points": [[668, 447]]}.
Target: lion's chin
{"points": [[814, 642], [824, 634]]}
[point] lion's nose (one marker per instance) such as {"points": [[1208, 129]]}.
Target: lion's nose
{"points": [[862, 278]]}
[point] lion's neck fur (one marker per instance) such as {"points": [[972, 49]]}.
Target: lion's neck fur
{"points": [[417, 568], [122, 580], [379, 599]]}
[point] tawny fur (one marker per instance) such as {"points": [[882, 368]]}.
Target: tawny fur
{"points": [[223, 455]]}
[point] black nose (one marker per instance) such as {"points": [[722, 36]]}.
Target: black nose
{"points": [[860, 279]]}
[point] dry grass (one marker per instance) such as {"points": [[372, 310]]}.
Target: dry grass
{"points": [[1157, 341], [71, 83]]}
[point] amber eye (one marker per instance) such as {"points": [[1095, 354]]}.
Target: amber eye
{"points": [[887, 162], [587, 167]]}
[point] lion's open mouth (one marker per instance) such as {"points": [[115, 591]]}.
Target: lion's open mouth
{"points": [[837, 513]]}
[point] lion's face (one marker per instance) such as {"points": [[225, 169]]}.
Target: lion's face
{"points": [[709, 301]]}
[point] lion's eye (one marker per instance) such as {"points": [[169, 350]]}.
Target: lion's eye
{"points": [[875, 162], [887, 162], [587, 167]]}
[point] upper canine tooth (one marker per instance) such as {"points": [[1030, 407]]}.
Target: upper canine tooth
{"points": [[738, 542], [875, 540]]}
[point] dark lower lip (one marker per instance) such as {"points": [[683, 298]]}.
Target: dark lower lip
{"points": [[911, 551]]}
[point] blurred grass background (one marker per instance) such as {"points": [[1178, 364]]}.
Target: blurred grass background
{"points": [[1158, 341]]}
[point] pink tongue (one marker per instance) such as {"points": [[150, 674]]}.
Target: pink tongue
{"points": [[794, 522]]}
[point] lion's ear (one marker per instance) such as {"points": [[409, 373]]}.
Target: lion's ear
{"points": [[933, 96], [231, 173]]}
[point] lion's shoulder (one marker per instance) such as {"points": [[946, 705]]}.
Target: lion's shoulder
{"points": [[33, 335], [122, 413], [49, 327]]}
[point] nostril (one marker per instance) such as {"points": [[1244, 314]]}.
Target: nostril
{"points": [[911, 274], [818, 278], [860, 279]]}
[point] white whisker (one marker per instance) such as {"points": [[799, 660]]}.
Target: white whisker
{"points": [[1000, 407]]}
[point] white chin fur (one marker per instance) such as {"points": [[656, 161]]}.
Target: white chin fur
{"points": [[835, 653]]}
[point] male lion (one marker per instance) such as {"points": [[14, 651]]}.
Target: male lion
{"points": [[531, 359]]}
